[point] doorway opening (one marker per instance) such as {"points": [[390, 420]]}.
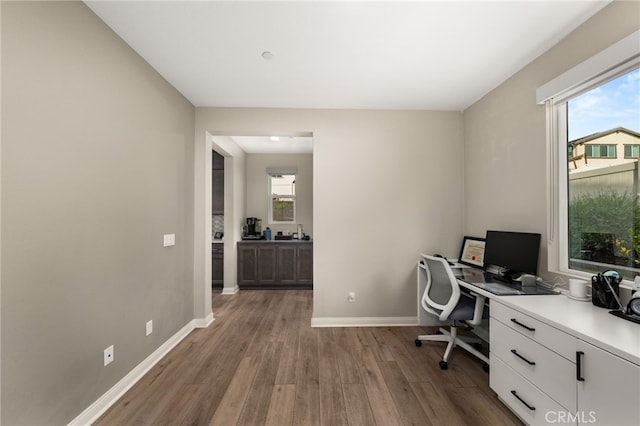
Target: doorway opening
{"points": [[243, 195]]}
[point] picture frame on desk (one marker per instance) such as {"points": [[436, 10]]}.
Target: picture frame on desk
{"points": [[472, 252]]}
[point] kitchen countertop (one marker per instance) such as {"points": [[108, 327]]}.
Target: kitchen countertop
{"points": [[275, 241]]}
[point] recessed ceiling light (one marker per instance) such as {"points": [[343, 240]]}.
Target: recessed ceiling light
{"points": [[267, 55], [274, 138]]}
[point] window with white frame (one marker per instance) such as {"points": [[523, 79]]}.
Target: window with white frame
{"points": [[594, 203], [282, 197], [603, 214]]}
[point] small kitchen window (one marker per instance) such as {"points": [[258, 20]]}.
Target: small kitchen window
{"points": [[282, 195]]}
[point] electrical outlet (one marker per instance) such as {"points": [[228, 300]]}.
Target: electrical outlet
{"points": [[108, 355], [169, 240], [352, 297], [149, 327]]}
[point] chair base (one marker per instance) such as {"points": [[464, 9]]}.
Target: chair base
{"points": [[451, 337]]}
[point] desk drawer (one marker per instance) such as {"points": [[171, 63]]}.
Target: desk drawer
{"points": [[524, 399], [542, 367], [550, 337]]}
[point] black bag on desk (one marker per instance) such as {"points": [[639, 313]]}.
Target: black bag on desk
{"points": [[601, 289]]}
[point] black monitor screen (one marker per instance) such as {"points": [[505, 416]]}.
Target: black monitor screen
{"points": [[514, 251]]}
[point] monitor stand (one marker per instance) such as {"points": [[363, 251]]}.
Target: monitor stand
{"points": [[503, 278]]}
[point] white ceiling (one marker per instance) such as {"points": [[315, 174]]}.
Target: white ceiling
{"points": [[432, 55], [271, 145]]}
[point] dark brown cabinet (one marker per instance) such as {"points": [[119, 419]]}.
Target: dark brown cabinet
{"points": [[217, 204], [287, 263], [304, 264], [217, 265], [267, 264], [247, 264]]}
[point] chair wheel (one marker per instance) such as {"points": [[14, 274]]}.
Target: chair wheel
{"points": [[443, 365], [418, 342], [477, 346], [485, 367]]}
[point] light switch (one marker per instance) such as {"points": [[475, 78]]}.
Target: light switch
{"points": [[169, 240]]}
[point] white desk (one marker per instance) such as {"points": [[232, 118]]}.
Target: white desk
{"points": [[586, 362], [583, 320]]}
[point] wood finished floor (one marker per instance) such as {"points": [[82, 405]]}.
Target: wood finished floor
{"points": [[260, 363]]}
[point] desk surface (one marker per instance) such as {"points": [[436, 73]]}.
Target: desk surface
{"points": [[486, 281], [582, 319]]}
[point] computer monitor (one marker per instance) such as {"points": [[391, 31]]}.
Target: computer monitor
{"points": [[515, 252]]}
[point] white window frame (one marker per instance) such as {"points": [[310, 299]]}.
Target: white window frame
{"points": [[619, 58], [271, 196]]}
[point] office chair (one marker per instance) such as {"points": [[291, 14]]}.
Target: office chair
{"points": [[443, 299]]}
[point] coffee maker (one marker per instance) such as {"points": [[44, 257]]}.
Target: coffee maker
{"points": [[253, 229]]}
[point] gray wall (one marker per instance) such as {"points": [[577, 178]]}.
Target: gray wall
{"points": [[505, 139], [97, 164], [258, 188]]}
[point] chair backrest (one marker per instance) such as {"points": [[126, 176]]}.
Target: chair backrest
{"points": [[442, 292]]}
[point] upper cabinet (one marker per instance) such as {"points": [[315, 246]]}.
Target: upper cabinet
{"points": [[218, 184]]}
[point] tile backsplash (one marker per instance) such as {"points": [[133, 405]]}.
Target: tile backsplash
{"points": [[218, 224]]}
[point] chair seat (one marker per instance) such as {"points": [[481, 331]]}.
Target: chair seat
{"points": [[465, 308]]}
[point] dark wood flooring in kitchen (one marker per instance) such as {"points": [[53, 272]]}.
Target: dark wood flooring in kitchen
{"points": [[260, 363]]}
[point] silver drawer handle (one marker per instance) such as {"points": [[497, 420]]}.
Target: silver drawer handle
{"points": [[513, 351], [530, 407]]}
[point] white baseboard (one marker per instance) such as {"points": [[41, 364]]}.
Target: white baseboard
{"points": [[364, 321], [230, 290], [203, 322], [102, 404], [431, 321]]}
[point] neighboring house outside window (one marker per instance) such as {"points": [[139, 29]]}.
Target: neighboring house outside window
{"points": [[606, 148]]}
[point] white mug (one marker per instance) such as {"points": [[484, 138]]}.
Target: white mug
{"points": [[577, 288]]}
